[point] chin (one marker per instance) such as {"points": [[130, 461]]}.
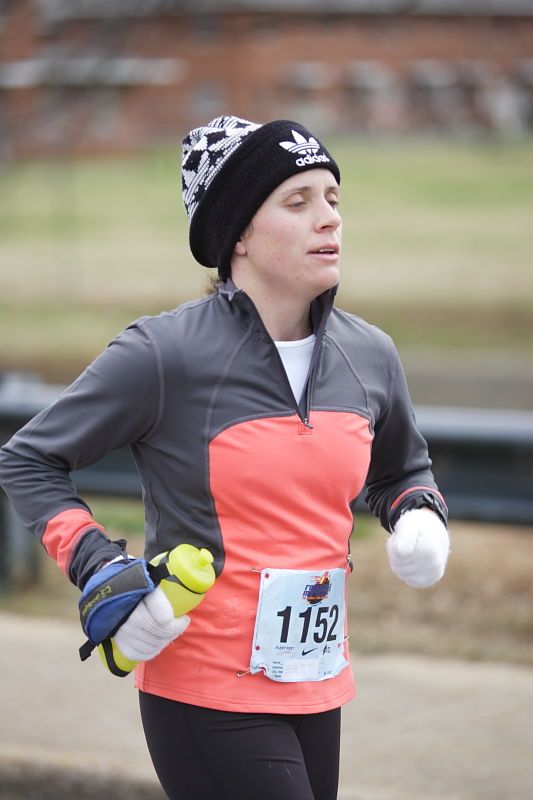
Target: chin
{"points": [[329, 278]]}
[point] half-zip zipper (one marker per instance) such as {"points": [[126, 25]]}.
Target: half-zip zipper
{"points": [[310, 380], [303, 417]]}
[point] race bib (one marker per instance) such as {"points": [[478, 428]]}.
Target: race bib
{"points": [[299, 628]]}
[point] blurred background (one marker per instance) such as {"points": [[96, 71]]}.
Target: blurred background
{"points": [[428, 108]]}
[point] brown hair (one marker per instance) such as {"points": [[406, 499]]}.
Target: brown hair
{"points": [[214, 282]]}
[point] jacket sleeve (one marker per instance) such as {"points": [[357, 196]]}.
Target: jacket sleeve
{"points": [[400, 475], [113, 403]]}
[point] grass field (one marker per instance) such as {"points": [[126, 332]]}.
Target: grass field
{"points": [[480, 610], [437, 248]]}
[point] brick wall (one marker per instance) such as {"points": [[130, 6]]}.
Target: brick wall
{"points": [[99, 85]]}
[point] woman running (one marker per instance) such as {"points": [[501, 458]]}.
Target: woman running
{"points": [[256, 416]]}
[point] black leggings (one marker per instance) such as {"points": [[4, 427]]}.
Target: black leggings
{"points": [[202, 754]]}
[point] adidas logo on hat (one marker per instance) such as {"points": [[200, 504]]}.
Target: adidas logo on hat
{"points": [[308, 147]]}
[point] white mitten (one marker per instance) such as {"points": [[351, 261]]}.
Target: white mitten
{"points": [[150, 627], [418, 547]]}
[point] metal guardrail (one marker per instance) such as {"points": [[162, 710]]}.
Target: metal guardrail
{"points": [[482, 459]]}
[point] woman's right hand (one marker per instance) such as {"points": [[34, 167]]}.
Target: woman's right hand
{"points": [[150, 627]]}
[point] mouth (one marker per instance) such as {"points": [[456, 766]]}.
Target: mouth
{"points": [[326, 251]]}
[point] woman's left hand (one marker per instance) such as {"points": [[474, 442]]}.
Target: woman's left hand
{"points": [[418, 548]]}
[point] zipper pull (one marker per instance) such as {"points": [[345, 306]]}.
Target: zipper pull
{"points": [[304, 427]]}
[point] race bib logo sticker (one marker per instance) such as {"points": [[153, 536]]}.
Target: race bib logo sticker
{"points": [[316, 592]]}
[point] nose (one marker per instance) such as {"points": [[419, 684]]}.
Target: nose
{"points": [[327, 216]]}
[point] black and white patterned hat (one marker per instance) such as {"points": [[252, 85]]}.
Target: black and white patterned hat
{"points": [[230, 166]]}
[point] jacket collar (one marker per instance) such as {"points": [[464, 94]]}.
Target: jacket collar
{"points": [[242, 304]]}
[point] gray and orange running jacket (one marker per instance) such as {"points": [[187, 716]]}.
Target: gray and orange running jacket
{"points": [[228, 460]]}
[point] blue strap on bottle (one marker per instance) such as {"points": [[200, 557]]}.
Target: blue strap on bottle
{"points": [[109, 597]]}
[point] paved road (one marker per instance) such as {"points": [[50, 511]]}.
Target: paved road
{"points": [[420, 729]]}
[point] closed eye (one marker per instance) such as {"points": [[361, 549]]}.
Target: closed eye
{"points": [[295, 198]]}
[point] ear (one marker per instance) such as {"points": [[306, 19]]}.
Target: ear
{"points": [[240, 248]]}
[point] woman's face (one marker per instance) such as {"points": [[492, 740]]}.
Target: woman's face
{"points": [[293, 242]]}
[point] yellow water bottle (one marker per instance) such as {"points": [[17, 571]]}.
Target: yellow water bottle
{"points": [[186, 573]]}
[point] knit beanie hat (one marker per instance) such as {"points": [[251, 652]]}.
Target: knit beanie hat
{"points": [[230, 166]]}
